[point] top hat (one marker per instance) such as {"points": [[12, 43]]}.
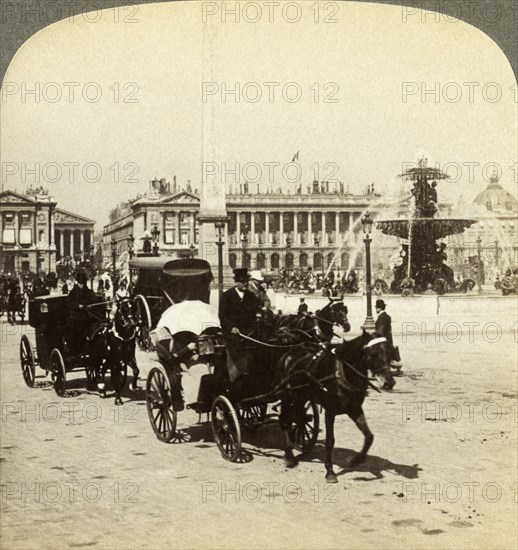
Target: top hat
{"points": [[381, 304], [241, 275], [81, 278]]}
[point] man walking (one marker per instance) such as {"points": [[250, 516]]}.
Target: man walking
{"points": [[383, 328]]}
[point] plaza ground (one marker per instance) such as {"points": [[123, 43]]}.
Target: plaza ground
{"points": [[79, 472]]}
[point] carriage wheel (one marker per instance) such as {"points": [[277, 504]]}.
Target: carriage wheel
{"points": [[119, 374], [159, 402], [144, 321], [304, 425], [225, 427], [27, 361], [57, 366], [252, 415]]}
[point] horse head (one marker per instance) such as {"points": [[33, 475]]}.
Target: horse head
{"points": [[376, 360], [126, 320], [335, 312]]}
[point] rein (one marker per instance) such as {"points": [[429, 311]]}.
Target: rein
{"points": [[276, 346], [361, 374]]}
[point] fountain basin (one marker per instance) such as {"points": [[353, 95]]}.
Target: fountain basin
{"points": [[436, 228]]}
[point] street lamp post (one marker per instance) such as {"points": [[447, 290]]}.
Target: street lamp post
{"points": [[317, 244], [155, 233], [369, 324], [131, 245], [114, 259], [244, 246], [92, 255], [497, 255], [288, 247], [220, 225], [479, 264]]}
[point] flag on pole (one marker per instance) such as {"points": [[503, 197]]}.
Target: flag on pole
{"points": [[295, 157]]}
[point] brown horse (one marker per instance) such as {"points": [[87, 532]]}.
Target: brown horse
{"points": [[337, 378]]}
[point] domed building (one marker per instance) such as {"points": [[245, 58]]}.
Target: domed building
{"points": [[496, 235], [496, 199]]}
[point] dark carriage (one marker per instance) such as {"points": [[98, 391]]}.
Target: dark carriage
{"points": [[157, 283], [53, 352], [230, 405]]}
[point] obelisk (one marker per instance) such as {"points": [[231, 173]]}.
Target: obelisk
{"points": [[213, 209]]}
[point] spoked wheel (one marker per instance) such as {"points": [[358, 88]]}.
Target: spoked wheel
{"points": [[225, 427], [119, 373], [252, 415], [27, 361], [159, 402], [144, 323], [57, 366], [304, 425]]}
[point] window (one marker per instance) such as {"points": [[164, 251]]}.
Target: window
{"points": [[8, 236], [169, 236], [25, 236], [26, 219]]}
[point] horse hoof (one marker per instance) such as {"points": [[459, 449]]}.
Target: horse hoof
{"points": [[331, 478], [292, 462]]}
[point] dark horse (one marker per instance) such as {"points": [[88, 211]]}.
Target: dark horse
{"points": [[336, 377], [317, 326], [112, 345]]}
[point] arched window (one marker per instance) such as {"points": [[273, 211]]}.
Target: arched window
{"points": [[232, 260], [275, 260], [289, 260], [317, 262], [303, 260], [260, 261]]}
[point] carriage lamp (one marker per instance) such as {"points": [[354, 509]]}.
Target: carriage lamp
{"points": [[369, 324], [131, 245]]}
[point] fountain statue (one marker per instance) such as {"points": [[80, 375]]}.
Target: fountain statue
{"points": [[422, 257]]}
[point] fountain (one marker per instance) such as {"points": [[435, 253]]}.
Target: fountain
{"points": [[423, 259]]}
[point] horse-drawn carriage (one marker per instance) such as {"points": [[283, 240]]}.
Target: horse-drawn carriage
{"points": [[292, 369], [12, 300], [232, 404], [57, 352], [153, 283]]}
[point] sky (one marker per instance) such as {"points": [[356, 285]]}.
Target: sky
{"points": [[136, 109]]}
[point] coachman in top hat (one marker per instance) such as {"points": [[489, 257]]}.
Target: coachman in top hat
{"points": [[238, 309]]}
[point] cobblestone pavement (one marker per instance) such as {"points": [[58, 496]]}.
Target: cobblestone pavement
{"points": [[80, 472]]}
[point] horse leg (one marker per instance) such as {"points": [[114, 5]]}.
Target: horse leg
{"points": [[330, 443], [284, 420], [361, 424]]}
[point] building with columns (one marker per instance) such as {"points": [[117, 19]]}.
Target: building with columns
{"points": [[266, 230], [35, 233]]}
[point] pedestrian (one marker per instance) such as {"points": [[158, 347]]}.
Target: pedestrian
{"points": [[383, 328], [303, 308]]}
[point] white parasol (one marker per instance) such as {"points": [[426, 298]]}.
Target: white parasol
{"points": [[191, 315]]}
